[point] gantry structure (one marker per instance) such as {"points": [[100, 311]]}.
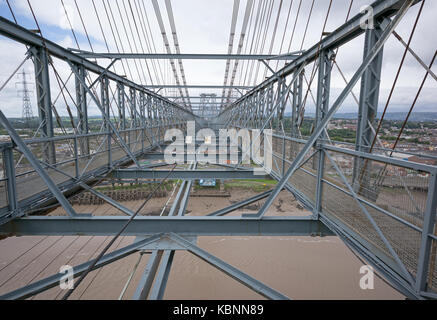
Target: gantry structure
{"points": [[383, 207]]}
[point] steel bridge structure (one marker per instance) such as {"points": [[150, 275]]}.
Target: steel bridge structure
{"points": [[343, 185]]}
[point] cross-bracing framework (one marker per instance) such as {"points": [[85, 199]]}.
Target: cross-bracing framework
{"points": [[398, 241]]}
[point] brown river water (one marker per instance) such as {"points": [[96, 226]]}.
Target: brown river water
{"points": [[299, 267]]}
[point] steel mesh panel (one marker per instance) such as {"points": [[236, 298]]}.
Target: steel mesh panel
{"points": [[305, 183], [394, 189], [28, 182], [404, 240], [277, 163], [432, 273], [338, 204], [277, 146], [3, 191]]}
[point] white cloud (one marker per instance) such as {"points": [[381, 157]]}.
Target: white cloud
{"points": [[203, 27]]}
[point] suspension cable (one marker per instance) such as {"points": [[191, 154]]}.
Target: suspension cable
{"points": [[231, 43], [241, 43]]}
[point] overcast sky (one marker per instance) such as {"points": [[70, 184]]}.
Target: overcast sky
{"points": [[203, 26]]}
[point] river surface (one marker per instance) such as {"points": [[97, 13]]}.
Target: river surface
{"points": [[299, 267]]}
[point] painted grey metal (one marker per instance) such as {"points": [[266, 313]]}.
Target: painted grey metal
{"points": [[187, 174], [146, 281], [166, 244], [104, 98], [381, 266], [180, 202], [170, 86], [165, 56], [373, 206], [108, 121], [367, 112], [429, 223], [272, 111], [37, 166], [384, 159], [187, 157], [296, 103], [44, 100], [197, 97], [185, 226], [54, 280], [236, 274], [82, 110], [188, 187], [11, 183], [161, 279], [384, 239], [22, 35], [322, 107], [322, 126], [107, 199], [253, 110], [240, 205]]}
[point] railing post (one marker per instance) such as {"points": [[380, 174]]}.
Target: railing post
{"points": [[142, 120], [122, 109], [428, 228], [282, 88], [9, 166], [133, 108], [76, 157], [45, 111], [283, 154], [82, 112], [106, 107], [297, 103], [323, 92]]}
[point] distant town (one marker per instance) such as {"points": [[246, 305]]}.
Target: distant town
{"points": [[419, 135]]}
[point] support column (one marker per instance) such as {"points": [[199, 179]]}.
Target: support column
{"points": [[133, 112], [104, 93], [155, 120], [429, 222], [148, 277], [45, 111], [297, 103], [322, 108], [9, 168], [133, 106], [367, 113], [270, 103], [121, 108], [282, 87], [149, 111], [82, 113], [143, 119]]}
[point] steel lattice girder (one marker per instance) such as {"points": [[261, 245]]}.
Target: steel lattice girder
{"points": [[240, 205], [195, 87], [20, 34], [185, 226], [329, 115], [186, 157], [165, 56], [187, 174]]}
